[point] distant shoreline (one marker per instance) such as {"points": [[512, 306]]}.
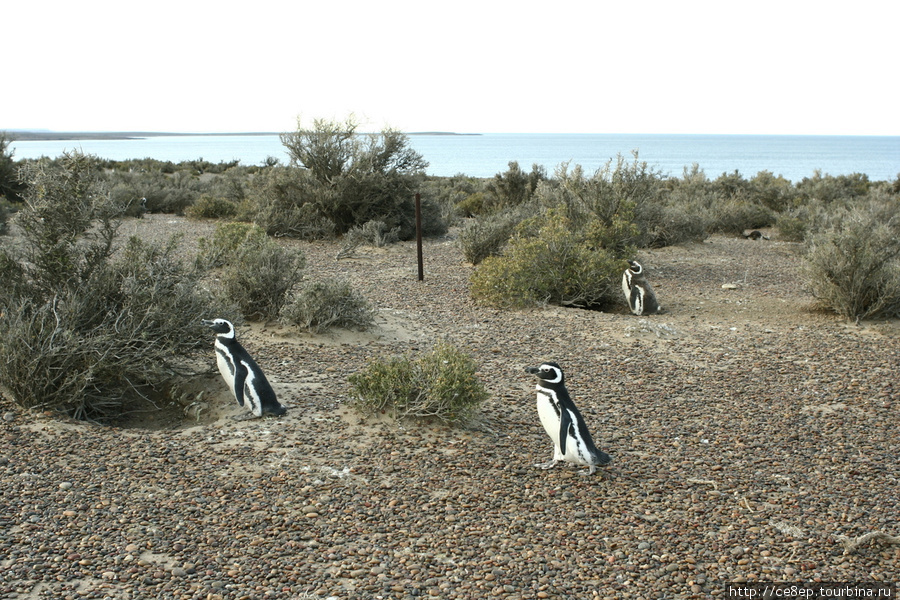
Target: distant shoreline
{"points": [[50, 136]]}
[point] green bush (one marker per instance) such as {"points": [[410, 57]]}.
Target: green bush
{"points": [[512, 188], [791, 227], [259, 277], [734, 215], [355, 178], [441, 384], [828, 188], [557, 265], [472, 205], [159, 191], [853, 268], [667, 225], [86, 330], [487, 236], [321, 305], [5, 211], [11, 187], [452, 195], [211, 207], [226, 241], [619, 198], [284, 201], [373, 233], [775, 193]]}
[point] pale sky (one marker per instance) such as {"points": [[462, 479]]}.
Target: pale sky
{"points": [[767, 67]]}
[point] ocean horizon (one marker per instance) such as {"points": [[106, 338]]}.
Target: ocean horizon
{"points": [[794, 157]]}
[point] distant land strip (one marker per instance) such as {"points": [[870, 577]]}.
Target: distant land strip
{"points": [[134, 135]]}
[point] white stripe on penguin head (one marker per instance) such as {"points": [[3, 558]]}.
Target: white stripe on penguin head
{"points": [[559, 375]]}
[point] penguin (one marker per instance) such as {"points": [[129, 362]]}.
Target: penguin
{"points": [[572, 441], [754, 235], [244, 377], [638, 293]]}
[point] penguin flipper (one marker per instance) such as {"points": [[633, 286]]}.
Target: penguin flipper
{"points": [[565, 421], [240, 376]]}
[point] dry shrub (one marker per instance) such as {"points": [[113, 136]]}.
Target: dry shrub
{"points": [[260, 277], [321, 305], [96, 347], [440, 384], [487, 235], [853, 268], [557, 265]]}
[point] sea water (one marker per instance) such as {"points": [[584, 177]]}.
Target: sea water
{"points": [[484, 155]]}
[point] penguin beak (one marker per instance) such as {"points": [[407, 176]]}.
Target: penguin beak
{"points": [[532, 370], [206, 322]]}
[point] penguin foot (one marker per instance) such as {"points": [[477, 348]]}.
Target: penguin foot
{"points": [[547, 465], [588, 472]]}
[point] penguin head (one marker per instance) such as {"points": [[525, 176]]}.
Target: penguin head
{"points": [[548, 372], [224, 328], [635, 267]]}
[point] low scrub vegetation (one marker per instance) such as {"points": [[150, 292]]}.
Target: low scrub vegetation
{"points": [[441, 384], [534, 237], [853, 265], [88, 330], [549, 261], [565, 244], [255, 272], [321, 305]]}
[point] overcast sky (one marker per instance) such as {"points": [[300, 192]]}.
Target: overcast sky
{"points": [[782, 67]]}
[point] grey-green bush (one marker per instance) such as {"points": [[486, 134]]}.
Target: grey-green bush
{"points": [[260, 277], [355, 178], [87, 330], [211, 207], [487, 235], [440, 384], [558, 264], [226, 240], [321, 305], [853, 268]]}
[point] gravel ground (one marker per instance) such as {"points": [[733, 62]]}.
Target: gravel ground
{"points": [[748, 434]]}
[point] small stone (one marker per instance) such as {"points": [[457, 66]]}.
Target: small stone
{"points": [[65, 485]]}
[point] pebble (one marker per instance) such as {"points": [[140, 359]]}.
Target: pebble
{"points": [[322, 504]]}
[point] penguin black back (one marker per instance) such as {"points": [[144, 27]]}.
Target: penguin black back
{"points": [[244, 377]]}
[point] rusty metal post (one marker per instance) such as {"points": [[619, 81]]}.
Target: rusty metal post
{"points": [[419, 236]]}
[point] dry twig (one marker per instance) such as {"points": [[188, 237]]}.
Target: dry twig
{"points": [[850, 545]]}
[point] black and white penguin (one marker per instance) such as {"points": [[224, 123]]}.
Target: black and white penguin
{"points": [[638, 293], [756, 234], [572, 441], [244, 377]]}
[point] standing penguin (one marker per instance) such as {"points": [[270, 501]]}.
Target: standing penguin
{"points": [[243, 376], [640, 296], [564, 424]]}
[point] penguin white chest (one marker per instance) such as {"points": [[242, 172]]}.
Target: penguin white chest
{"points": [[225, 362], [548, 412], [626, 284]]}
